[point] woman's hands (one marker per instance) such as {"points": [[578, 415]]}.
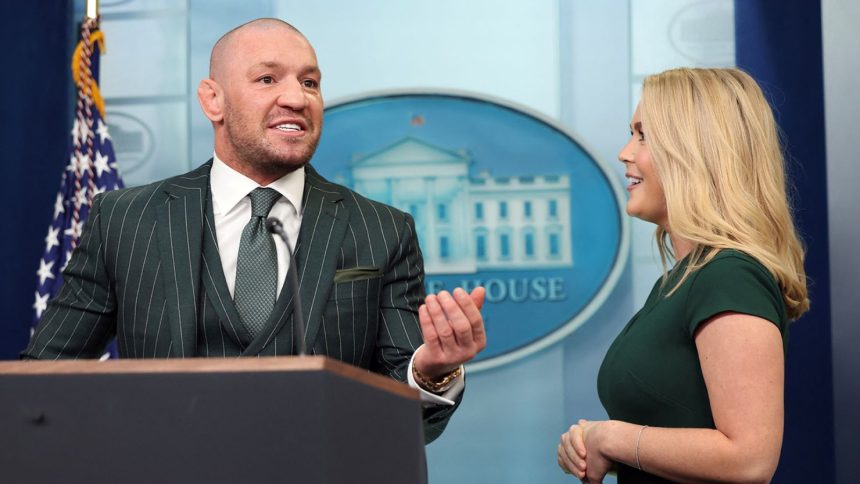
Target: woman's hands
{"points": [[579, 451], [571, 451]]}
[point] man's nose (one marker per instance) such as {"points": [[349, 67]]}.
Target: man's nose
{"points": [[292, 95]]}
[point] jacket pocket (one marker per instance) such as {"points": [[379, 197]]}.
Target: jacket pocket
{"points": [[351, 321], [356, 274]]}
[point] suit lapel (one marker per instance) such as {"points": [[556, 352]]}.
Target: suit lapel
{"points": [[324, 223], [216, 284], [323, 227], [179, 227]]}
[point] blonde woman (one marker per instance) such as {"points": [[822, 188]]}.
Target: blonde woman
{"points": [[694, 382]]}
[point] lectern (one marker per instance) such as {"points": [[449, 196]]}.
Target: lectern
{"points": [[245, 420]]}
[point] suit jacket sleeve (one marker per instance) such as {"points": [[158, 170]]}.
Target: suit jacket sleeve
{"points": [[400, 332], [79, 321]]}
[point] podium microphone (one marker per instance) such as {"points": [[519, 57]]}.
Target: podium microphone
{"points": [[274, 226]]}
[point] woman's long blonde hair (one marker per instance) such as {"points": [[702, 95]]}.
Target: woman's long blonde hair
{"points": [[715, 147]]}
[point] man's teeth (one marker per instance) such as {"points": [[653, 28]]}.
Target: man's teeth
{"points": [[289, 127], [634, 181]]}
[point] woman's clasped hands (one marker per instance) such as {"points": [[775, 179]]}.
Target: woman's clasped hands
{"points": [[579, 452]]}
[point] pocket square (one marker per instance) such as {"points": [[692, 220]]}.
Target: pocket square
{"points": [[356, 274]]}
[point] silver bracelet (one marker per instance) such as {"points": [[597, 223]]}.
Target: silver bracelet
{"points": [[638, 439]]}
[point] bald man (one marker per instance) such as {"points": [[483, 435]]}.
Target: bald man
{"points": [[183, 267]]}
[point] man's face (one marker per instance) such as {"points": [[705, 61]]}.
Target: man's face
{"points": [[272, 101]]}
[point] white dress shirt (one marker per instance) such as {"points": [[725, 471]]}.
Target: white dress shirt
{"points": [[231, 207]]}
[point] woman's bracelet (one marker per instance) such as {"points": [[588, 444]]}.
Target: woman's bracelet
{"points": [[638, 439]]}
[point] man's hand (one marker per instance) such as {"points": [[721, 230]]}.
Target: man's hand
{"points": [[453, 331]]}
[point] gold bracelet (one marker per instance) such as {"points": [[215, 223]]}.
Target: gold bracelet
{"points": [[437, 386]]}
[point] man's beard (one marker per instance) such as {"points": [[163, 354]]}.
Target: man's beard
{"points": [[256, 150]]}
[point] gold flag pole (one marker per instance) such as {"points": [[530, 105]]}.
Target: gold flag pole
{"points": [[92, 9]]}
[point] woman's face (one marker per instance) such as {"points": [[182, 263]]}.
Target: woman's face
{"points": [[647, 200]]}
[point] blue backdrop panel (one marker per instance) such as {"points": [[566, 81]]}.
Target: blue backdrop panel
{"points": [[779, 44], [36, 90]]}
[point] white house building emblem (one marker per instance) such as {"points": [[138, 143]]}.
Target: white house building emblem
{"points": [[500, 197]]}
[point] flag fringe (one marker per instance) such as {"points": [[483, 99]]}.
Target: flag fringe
{"points": [[95, 38]]}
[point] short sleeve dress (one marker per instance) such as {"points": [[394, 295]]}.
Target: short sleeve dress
{"points": [[651, 373]]}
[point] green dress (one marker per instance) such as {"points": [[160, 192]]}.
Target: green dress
{"points": [[651, 374]]}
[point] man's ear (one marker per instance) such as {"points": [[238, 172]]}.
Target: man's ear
{"points": [[211, 98]]}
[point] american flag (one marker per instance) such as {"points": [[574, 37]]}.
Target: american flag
{"points": [[91, 169]]}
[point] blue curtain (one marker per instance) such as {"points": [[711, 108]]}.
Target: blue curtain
{"points": [[779, 44], [36, 88]]}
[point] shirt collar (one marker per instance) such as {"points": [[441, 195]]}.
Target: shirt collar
{"points": [[229, 187]]}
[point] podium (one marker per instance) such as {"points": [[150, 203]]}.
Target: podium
{"points": [[244, 420]]}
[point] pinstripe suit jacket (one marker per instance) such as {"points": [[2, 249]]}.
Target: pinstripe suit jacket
{"points": [[147, 271]]}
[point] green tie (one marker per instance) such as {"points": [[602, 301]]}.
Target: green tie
{"points": [[257, 265]]}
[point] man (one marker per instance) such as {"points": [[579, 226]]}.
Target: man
{"points": [[184, 267]]}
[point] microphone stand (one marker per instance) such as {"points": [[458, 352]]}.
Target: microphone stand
{"points": [[274, 226]]}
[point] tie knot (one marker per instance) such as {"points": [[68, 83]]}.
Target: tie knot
{"points": [[262, 201]]}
